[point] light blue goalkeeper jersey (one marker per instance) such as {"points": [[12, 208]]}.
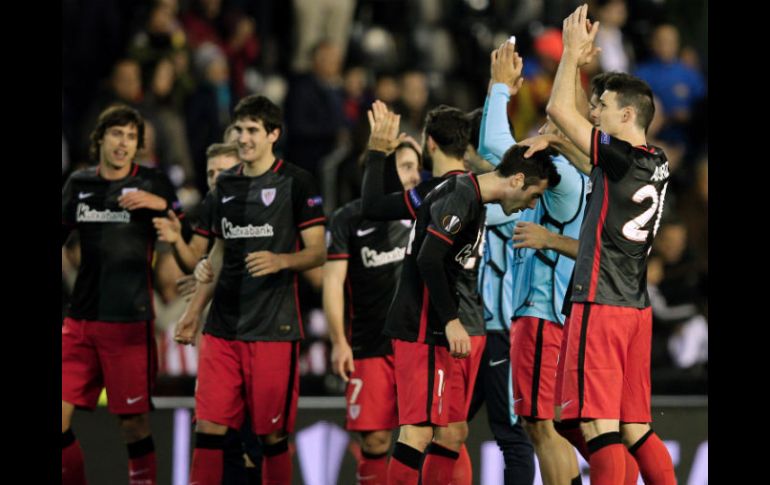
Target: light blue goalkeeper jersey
{"points": [[525, 282]]}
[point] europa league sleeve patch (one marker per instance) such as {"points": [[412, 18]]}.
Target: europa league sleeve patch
{"points": [[451, 224]]}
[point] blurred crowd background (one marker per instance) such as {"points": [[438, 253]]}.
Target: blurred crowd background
{"points": [[184, 64]]}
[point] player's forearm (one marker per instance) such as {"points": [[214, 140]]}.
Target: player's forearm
{"points": [[581, 100], [580, 160], [333, 305], [184, 255], [309, 257], [563, 245], [562, 105], [497, 137], [375, 203], [430, 262]]}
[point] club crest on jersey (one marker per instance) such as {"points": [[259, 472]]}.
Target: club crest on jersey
{"points": [[605, 139], [314, 201], [451, 224], [268, 196], [355, 411]]}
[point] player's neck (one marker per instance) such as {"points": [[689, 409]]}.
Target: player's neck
{"points": [[633, 136], [110, 172], [443, 164], [491, 187], [255, 168]]}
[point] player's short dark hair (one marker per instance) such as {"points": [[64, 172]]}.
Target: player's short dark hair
{"points": [[599, 82], [219, 149], [475, 119], [632, 91], [535, 168], [115, 115], [449, 128], [259, 108]]}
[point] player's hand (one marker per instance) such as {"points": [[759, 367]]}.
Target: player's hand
{"points": [[186, 286], [186, 328], [342, 360], [169, 228], [261, 263], [536, 144], [531, 235], [459, 341], [384, 125], [203, 272], [506, 67], [578, 33], [140, 199]]}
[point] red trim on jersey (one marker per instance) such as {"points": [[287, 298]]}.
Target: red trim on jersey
{"points": [[240, 170], [311, 222], [135, 170], [180, 215], [202, 232], [454, 172], [596, 147], [475, 185], [645, 148], [337, 256], [424, 313], [278, 165], [598, 248], [443, 237], [296, 297], [409, 205]]}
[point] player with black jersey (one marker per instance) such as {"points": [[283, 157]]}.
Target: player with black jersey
{"points": [[108, 337], [360, 277], [606, 372], [423, 318], [445, 141], [262, 211]]}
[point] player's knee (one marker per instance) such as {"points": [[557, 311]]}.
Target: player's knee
{"points": [[418, 437], [207, 427], [134, 426], [452, 436], [274, 437], [633, 432], [539, 430], [376, 442], [66, 415]]}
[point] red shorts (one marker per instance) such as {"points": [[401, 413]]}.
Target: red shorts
{"points": [[422, 372], [371, 395], [463, 379], [607, 363], [535, 344], [120, 356], [235, 376]]}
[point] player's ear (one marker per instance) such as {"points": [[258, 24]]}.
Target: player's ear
{"points": [[273, 136], [627, 114], [517, 180], [431, 145]]}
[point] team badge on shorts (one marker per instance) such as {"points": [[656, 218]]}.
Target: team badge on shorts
{"points": [[355, 411], [451, 224], [268, 196]]}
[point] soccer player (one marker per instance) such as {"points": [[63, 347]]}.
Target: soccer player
{"points": [[220, 157], [606, 375], [445, 142], [261, 209], [424, 320], [362, 270], [108, 338]]}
